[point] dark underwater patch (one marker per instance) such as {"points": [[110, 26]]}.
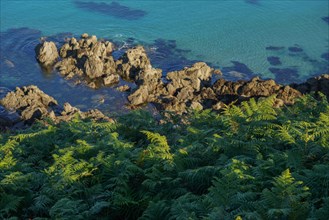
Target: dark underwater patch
{"points": [[325, 56], [165, 55], [274, 61], [238, 67], [113, 9], [326, 19], [285, 75], [295, 49], [274, 48]]}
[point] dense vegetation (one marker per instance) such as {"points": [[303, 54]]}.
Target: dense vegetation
{"points": [[249, 162]]}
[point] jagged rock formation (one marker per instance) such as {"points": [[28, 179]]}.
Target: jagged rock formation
{"points": [[47, 54], [28, 104], [228, 91], [133, 62], [315, 84], [192, 88], [87, 60], [91, 61], [90, 58]]}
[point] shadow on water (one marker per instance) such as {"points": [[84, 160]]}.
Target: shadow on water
{"points": [[113, 9], [237, 71], [274, 61], [165, 55], [295, 49], [285, 75], [291, 74]]}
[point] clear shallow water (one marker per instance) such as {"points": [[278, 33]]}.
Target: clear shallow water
{"points": [[284, 40]]}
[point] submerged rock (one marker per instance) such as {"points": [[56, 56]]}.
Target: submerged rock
{"points": [[8, 118]]}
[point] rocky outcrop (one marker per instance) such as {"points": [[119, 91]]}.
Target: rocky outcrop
{"points": [[177, 93], [47, 54], [192, 88], [133, 62], [86, 60], [28, 104], [315, 84], [90, 60], [228, 91]]}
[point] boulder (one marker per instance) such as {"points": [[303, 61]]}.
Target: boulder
{"points": [[197, 76], [47, 53], [93, 67], [111, 79], [132, 62], [140, 96], [109, 66]]}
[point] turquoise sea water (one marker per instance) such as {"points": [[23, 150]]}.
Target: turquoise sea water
{"points": [[280, 39]]}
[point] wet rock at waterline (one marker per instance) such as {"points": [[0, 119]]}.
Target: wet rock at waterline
{"points": [[8, 118], [27, 104]]}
